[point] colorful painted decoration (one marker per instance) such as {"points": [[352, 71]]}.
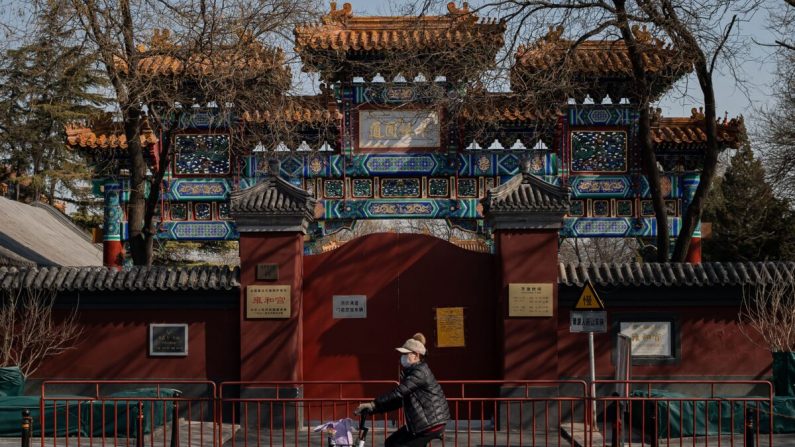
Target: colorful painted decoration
{"points": [[438, 187], [202, 211], [467, 187], [598, 151], [616, 227], [207, 231], [333, 189], [577, 208], [400, 188], [199, 189], [402, 208], [399, 164], [201, 154], [113, 212], [179, 211], [670, 207], [624, 208], [646, 208], [593, 186], [600, 116], [601, 208], [362, 188], [223, 210]]}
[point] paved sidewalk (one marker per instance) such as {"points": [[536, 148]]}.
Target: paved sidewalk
{"points": [[606, 439], [191, 434], [196, 434]]}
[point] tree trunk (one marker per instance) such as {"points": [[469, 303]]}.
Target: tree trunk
{"points": [[51, 193], [154, 197], [653, 176], [36, 170], [693, 214], [641, 95], [136, 204]]}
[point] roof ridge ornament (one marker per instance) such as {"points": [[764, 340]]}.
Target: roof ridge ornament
{"points": [[161, 39], [655, 115], [452, 9], [338, 15], [697, 114], [554, 34], [461, 14], [645, 37]]}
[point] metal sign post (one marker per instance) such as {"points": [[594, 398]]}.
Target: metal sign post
{"points": [[589, 316], [592, 360]]}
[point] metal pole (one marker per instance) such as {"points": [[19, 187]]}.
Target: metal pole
{"points": [[175, 420], [27, 427], [592, 361], [139, 426], [750, 428]]}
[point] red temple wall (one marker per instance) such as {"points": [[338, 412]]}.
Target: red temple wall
{"points": [[114, 345], [710, 343], [405, 277], [271, 349]]}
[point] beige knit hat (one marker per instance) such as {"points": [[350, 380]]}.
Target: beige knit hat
{"points": [[414, 344]]}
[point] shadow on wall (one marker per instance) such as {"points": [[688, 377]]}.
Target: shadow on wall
{"points": [[404, 277]]}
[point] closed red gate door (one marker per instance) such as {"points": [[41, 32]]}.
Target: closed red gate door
{"points": [[405, 278]]}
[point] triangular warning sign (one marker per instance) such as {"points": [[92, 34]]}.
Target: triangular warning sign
{"points": [[589, 300]]}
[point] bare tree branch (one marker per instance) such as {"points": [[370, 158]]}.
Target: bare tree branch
{"points": [[767, 314], [30, 331]]}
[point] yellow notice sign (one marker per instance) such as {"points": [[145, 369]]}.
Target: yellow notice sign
{"points": [[530, 300], [268, 301], [589, 300], [450, 327]]}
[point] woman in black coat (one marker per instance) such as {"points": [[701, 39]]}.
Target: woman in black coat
{"points": [[420, 395]]}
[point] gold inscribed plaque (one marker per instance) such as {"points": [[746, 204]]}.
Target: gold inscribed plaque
{"points": [[530, 300], [450, 327], [268, 301]]}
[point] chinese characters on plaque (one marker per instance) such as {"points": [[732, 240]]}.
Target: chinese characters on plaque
{"points": [[649, 338], [268, 301], [450, 327], [168, 339], [349, 306], [398, 129], [530, 300]]}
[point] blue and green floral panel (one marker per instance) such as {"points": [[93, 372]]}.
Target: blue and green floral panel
{"points": [[201, 154], [598, 151]]}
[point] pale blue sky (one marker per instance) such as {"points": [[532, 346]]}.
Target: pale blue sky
{"points": [[756, 71]]}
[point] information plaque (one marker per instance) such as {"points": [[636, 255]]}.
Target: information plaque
{"points": [[450, 327], [263, 302], [530, 300], [168, 339], [349, 306]]}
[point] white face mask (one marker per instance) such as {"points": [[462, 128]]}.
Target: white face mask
{"points": [[404, 361]]}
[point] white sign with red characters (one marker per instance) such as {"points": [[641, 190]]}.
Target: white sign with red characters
{"points": [[271, 301]]}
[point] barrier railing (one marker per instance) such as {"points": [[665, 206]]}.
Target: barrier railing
{"points": [[285, 413], [665, 413], [484, 412], [514, 413], [653, 413], [129, 413]]}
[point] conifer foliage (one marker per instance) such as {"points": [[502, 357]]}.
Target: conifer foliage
{"points": [[44, 84], [749, 223]]}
